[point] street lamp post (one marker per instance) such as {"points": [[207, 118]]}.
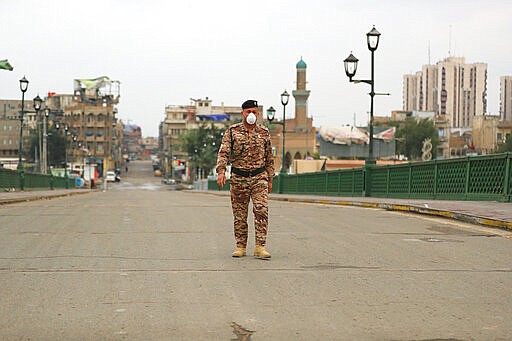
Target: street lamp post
{"points": [[23, 88], [37, 106], [57, 126], [45, 141], [372, 39], [271, 115]]}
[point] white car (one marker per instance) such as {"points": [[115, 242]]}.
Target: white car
{"points": [[111, 176]]}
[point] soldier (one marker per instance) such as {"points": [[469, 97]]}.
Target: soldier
{"points": [[247, 146]]}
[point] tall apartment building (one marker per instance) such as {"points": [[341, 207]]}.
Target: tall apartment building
{"points": [[451, 87], [410, 92], [506, 98]]}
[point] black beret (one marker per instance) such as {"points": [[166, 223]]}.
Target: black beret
{"points": [[250, 103]]}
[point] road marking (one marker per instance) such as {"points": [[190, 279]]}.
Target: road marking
{"points": [[120, 310], [464, 226]]}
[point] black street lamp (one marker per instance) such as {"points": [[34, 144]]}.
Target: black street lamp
{"points": [[37, 106], [271, 115], [23, 88], [372, 39], [45, 140], [57, 126]]}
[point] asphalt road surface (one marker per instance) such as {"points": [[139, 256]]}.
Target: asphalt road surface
{"points": [[145, 262]]}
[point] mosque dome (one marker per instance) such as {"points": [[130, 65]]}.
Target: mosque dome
{"points": [[301, 64]]}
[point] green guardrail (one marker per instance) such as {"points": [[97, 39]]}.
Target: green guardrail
{"points": [[486, 177], [212, 185], [21, 180]]}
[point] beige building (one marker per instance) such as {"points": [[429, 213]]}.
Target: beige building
{"points": [[506, 98], [485, 134], [451, 87], [10, 110], [410, 92], [180, 118]]}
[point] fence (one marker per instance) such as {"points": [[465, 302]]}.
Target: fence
{"points": [[20, 180], [470, 178]]}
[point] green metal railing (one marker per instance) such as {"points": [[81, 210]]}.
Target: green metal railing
{"points": [[20, 180], [470, 178]]}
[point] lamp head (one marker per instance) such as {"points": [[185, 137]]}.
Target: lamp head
{"points": [[37, 103], [372, 39], [350, 65], [284, 98], [271, 114], [23, 84]]}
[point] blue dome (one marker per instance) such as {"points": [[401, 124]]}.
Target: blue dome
{"points": [[301, 64]]}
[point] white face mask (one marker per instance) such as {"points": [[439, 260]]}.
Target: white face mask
{"points": [[251, 119]]}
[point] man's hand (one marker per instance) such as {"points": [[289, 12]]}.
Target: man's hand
{"points": [[269, 187], [221, 180]]}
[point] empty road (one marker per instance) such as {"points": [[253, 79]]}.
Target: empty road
{"points": [[145, 262]]}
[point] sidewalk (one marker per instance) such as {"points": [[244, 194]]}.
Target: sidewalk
{"points": [[486, 213], [24, 196]]}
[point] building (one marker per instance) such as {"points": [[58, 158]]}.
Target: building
{"points": [[90, 114], [506, 98], [410, 92], [451, 87], [10, 110], [180, 118], [300, 136], [132, 141]]}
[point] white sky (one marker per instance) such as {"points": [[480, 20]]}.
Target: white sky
{"points": [[165, 52]]}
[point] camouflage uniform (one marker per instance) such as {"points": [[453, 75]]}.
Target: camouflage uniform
{"points": [[248, 150]]}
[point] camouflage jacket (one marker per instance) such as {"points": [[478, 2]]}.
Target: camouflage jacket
{"points": [[246, 149]]}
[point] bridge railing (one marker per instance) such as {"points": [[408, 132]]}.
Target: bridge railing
{"points": [[18, 180], [469, 178]]}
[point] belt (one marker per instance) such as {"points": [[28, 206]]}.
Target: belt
{"points": [[247, 173]]}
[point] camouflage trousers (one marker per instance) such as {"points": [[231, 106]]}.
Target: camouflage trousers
{"points": [[243, 189]]}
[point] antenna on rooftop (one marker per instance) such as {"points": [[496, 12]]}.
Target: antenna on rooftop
{"points": [[429, 52], [450, 42]]}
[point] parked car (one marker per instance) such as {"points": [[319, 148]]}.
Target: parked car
{"points": [[111, 176], [168, 181]]}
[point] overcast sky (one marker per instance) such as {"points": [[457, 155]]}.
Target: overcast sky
{"points": [[166, 52]]}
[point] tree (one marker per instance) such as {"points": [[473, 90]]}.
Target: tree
{"points": [[506, 147], [55, 145], [412, 135], [202, 145]]}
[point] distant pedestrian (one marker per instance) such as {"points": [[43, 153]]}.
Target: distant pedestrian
{"points": [[248, 147], [126, 169]]}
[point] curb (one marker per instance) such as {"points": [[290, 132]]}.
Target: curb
{"points": [[39, 197], [488, 222]]}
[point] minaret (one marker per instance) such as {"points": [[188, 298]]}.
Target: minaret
{"points": [[301, 97]]}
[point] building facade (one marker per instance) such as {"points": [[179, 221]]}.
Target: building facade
{"points": [[10, 110], [452, 88], [506, 98]]}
